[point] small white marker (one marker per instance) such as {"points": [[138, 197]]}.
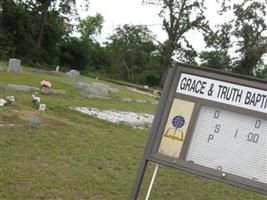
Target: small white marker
{"points": [[42, 107]]}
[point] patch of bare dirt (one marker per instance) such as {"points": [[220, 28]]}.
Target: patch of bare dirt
{"points": [[27, 115]]}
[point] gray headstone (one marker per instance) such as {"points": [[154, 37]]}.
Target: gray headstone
{"points": [[81, 85], [125, 99], [57, 91], [20, 88], [141, 101], [34, 120], [92, 96], [94, 90], [113, 90], [73, 73], [46, 90], [14, 65], [98, 89]]}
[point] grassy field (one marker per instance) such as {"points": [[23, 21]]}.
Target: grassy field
{"points": [[72, 156]]}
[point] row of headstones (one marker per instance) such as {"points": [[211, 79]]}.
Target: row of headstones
{"points": [[14, 65], [71, 73]]}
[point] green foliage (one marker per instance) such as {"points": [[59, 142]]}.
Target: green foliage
{"points": [[129, 49], [17, 30], [149, 77], [74, 53], [262, 73], [7, 47], [249, 29], [215, 59], [91, 26], [179, 17], [244, 33], [82, 55], [31, 30]]}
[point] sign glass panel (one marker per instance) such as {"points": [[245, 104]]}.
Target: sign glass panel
{"points": [[230, 142]]}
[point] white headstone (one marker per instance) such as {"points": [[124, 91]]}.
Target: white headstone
{"points": [[57, 69], [2, 102], [14, 65], [42, 107]]}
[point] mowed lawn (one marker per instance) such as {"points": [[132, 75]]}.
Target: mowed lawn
{"points": [[72, 156]]}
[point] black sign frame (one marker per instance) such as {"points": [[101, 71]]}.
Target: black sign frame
{"points": [[167, 97]]}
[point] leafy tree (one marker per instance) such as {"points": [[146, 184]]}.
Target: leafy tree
{"points": [[130, 48], [32, 29], [99, 57], [92, 55], [219, 42], [215, 59], [244, 33], [17, 29], [52, 36], [74, 53], [179, 17], [249, 29], [91, 26], [65, 8], [264, 73]]}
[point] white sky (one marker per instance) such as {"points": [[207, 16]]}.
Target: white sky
{"points": [[120, 12]]}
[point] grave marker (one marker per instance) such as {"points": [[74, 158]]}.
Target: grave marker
{"points": [[73, 73], [14, 65], [57, 68], [42, 107]]}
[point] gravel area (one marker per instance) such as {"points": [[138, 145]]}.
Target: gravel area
{"points": [[131, 119]]}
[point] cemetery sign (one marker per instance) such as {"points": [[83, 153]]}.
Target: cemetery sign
{"points": [[213, 124]]}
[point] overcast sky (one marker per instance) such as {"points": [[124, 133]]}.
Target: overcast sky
{"points": [[120, 12], [133, 12]]}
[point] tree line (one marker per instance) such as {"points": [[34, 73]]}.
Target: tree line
{"points": [[40, 33]]}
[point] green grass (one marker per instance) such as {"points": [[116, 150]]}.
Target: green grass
{"points": [[69, 155], [73, 97], [75, 161]]}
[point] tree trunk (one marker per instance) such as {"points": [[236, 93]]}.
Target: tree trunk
{"points": [[127, 69], [43, 22], [132, 74]]}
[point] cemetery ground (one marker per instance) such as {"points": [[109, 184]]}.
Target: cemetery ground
{"points": [[69, 155]]}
